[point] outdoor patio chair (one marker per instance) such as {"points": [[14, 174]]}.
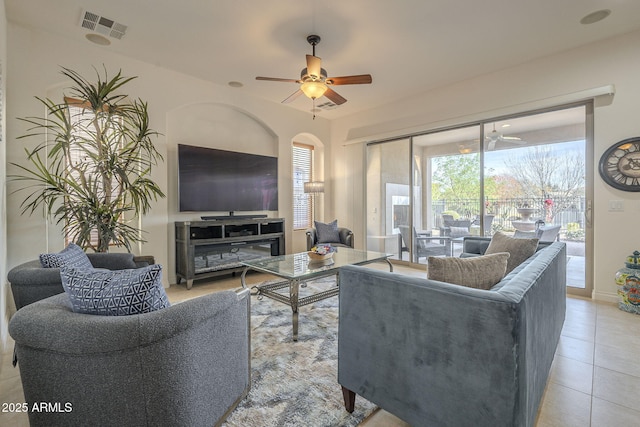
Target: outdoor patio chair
{"points": [[424, 245], [488, 220], [456, 228], [544, 233]]}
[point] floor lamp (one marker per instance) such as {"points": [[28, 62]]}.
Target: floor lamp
{"points": [[313, 188]]}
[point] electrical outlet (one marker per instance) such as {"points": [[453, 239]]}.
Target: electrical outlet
{"points": [[616, 205]]}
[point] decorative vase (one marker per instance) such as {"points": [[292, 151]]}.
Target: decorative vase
{"points": [[628, 282]]}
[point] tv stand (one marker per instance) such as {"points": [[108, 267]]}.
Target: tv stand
{"points": [[212, 248]]}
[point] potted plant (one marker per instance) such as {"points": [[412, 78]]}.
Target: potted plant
{"points": [[92, 171]]}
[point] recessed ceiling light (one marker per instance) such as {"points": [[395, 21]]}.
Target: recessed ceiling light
{"points": [[596, 16], [506, 125], [235, 84], [98, 39]]}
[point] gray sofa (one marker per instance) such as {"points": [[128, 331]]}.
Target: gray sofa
{"points": [[185, 365], [30, 282], [438, 354]]}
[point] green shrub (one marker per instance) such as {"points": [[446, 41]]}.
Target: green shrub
{"points": [[574, 232]]}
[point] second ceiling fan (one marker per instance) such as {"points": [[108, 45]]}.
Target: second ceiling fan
{"points": [[495, 136], [314, 81]]}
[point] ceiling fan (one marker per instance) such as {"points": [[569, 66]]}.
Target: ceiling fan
{"points": [[314, 82], [495, 136]]}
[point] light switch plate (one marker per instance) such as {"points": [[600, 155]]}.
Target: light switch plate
{"points": [[616, 205]]}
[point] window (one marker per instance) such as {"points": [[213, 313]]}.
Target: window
{"points": [[302, 172], [78, 154]]}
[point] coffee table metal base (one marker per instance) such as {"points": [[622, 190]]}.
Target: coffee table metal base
{"points": [[293, 300]]}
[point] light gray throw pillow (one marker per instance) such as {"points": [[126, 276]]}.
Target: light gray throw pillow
{"points": [[519, 249], [327, 233], [481, 272]]}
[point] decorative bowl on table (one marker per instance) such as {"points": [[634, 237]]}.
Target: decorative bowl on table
{"points": [[321, 253]]}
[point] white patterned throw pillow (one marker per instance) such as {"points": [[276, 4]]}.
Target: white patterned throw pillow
{"points": [[71, 256], [117, 292]]}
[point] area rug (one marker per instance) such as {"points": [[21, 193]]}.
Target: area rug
{"points": [[296, 383]]}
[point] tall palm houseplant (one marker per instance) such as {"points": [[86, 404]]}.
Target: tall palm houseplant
{"points": [[92, 170]]}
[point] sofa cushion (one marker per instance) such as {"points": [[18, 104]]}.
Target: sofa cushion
{"points": [[519, 249], [71, 256], [115, 293], [481, 272], [327, 233]]}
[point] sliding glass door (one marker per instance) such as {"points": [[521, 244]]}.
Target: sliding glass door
{"points": [[449, 203], [388, 196], [526, 175], [536, 181]]}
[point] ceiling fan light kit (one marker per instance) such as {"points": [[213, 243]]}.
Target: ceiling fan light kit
{"points": [[313, 89], [314, 81]]}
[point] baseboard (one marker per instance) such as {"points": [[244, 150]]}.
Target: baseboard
{"points": [[605, 296]]}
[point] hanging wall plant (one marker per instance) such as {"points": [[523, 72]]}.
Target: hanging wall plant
{"points": [[92, 172]]}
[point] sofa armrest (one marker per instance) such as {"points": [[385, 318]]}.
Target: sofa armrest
{"points": [[144, 260], [311, 238], [112, 261], [31, 273], [30, 283], [475, 244]]}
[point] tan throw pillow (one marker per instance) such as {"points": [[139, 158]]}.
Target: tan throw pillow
{"points": [[519, 249], [481, 272]]}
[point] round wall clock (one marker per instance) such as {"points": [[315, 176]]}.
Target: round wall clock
{"points": [[620, 165]]}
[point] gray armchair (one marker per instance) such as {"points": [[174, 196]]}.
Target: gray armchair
{"points": [[346, 238], [185, 365], [30, 282]]}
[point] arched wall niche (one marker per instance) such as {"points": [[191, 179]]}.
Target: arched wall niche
{"points": [[213, 125], [220, 126]]}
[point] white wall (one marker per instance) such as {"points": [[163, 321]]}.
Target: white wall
{"points": [[216, 114], [615, 61], [4, 287]]}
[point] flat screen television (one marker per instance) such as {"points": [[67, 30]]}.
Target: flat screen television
{"points": [[219, 180]]}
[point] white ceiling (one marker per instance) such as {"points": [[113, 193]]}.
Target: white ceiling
{"points": [[408, 46]]}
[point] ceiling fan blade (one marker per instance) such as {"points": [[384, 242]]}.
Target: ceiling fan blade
{"points": [[293, 96], [334, 97], [276, 79], [360, 79], [313, 66]]}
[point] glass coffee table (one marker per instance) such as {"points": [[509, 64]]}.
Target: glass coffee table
{"points": [[298, 268]]}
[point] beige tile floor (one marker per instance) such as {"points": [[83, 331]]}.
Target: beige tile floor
{"points": [[594, 381]]}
